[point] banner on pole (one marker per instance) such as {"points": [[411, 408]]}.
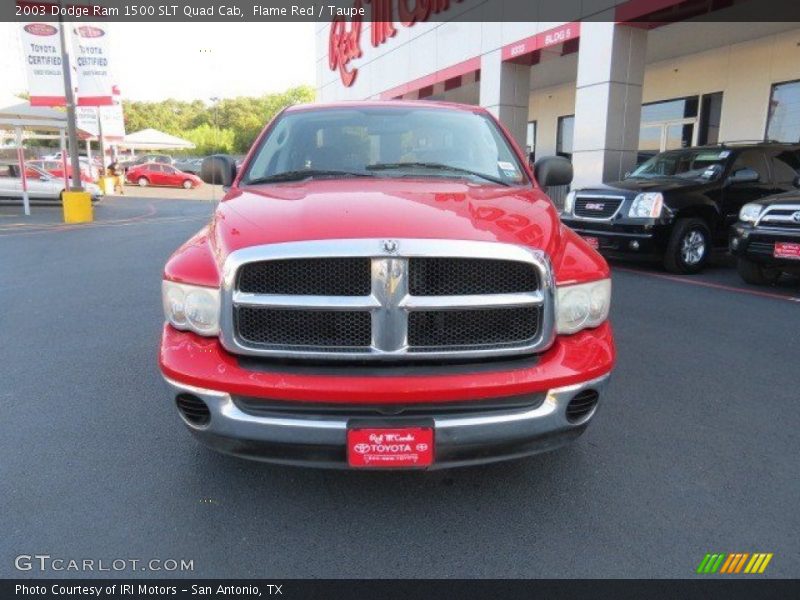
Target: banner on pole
{"points": [[41, 49], [93, 78], [111, 116]]}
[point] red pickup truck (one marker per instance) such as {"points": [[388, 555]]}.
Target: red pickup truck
{"points": [[386, 285]]}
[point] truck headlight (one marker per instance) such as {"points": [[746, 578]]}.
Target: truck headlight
{"points": [[647, 205], [582, 305], [750, 213], [191, 307], [569, 203]]}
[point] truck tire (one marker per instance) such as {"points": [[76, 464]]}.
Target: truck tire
{"points": [[756, 274], [689, 246]]}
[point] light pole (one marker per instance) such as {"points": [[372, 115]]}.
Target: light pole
{"points": [[77, 204], [69, 95]]}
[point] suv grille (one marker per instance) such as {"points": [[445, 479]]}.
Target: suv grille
{"points": [[781, 217], [596, 207], [444, 299]]}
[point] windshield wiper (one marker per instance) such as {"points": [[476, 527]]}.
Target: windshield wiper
{"points": [[435, 166], [302, 174]]}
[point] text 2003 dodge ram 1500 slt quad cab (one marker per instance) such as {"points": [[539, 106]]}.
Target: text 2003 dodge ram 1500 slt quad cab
{"points": [[385, 285]]}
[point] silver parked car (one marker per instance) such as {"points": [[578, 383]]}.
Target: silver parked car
{"points": [[42, 186]]}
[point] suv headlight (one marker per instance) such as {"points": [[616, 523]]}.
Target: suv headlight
{"points": [[569, 203], [647, 205], [191, 307], [750, 213], [582, 305]]}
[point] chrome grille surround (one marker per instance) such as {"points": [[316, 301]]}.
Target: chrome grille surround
{"points": [[779, 216], [389, 302]]}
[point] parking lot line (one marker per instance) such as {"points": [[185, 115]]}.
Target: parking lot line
{"points": [[708, 284]]}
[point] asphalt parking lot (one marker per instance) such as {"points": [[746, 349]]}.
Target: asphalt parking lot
{"points": [[694, 450]]}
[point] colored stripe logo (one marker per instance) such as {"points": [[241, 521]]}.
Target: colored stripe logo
{"points": [[736, 562]]}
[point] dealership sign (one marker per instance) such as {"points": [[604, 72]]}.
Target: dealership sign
{"points": [[93, 77], [344, 42], [111, 117], [41, 49]]}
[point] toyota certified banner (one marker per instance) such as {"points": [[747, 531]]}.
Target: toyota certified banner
{"points": [[91, 62], [41, 48], [111, 117]]}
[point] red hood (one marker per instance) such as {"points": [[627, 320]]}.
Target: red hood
{"points": [[384, 208]]}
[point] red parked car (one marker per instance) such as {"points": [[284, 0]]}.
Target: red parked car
{"points": [[56, 169], [153, 173], [386, 285]]}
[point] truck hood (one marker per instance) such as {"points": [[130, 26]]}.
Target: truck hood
{"points": [[383, 208]]}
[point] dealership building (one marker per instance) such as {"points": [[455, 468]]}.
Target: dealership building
{"points": [[604, 88]]}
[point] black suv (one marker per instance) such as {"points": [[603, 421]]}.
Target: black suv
{"points": [[678, 204], [766, 240]]}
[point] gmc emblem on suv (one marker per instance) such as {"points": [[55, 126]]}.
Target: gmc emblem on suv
{"points": [[595, 205]]}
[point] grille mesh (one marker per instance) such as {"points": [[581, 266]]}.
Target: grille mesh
{"points": [[318, 328], [474, 327], [308, 276], [596, 208], [461, 276]]}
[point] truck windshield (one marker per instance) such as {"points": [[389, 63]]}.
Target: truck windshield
{"points": [[686, 164], [385, 142]]}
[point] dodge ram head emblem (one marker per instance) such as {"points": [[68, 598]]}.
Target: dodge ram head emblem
{"points": [[796, 217], [390, 246]]}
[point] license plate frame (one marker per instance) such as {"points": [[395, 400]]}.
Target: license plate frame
{"points": [[390, 447], [786, 250]]}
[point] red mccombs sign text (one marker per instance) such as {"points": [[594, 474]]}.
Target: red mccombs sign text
{"points": [[344, 43]]}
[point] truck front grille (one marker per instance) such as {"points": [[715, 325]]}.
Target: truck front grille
{"points": [[307, 276], [597, 207], [371, 299], [461, 276], [287, 327], [431, 330]]}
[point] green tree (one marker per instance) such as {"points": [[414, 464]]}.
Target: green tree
{"points": [[231, 125]]}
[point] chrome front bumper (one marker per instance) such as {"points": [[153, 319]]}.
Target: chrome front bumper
{"points": [[320, 440]]}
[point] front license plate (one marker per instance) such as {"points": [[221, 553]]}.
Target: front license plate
{"points": [[787, 250], [593, 242], [388, 448]]}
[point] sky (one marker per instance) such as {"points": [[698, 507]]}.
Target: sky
{"points": [[189, 61]]}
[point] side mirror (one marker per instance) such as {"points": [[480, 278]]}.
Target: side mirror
{"points": [[551, 171], [219, 169], [744, 175]]}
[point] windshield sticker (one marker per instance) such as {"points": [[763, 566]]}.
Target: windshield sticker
{"points": [[506, 166]]}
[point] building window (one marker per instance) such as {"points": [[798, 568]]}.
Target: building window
{"points": [[566, 129], [667, 125], [530, 141], [783, 122], [710, 116]]}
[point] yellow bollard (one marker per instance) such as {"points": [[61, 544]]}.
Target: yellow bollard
{"points": [[77, 207]]}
